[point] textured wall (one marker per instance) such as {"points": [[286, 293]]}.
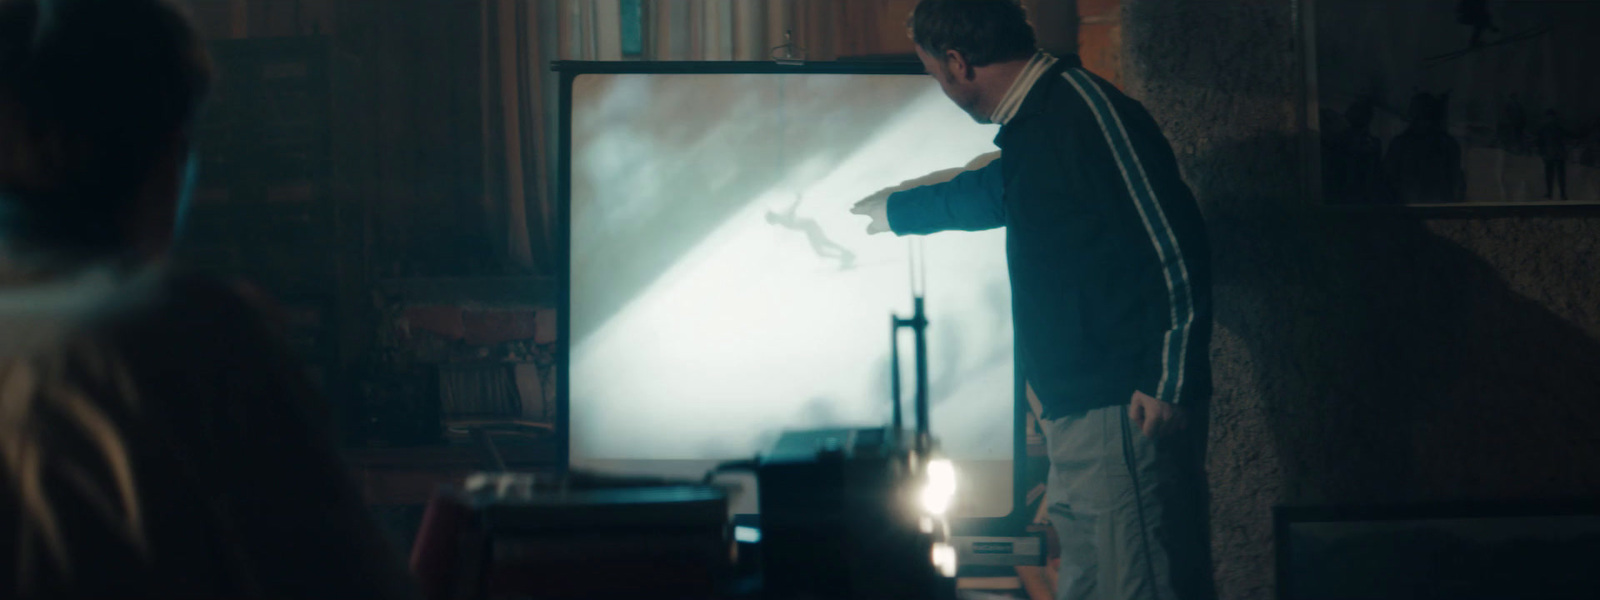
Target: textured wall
{"points": [[1360, 358]]}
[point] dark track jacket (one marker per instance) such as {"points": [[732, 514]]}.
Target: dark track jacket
{"points": [[1107, 250]]}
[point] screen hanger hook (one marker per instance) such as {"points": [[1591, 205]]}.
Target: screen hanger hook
{"points": [[788, 53]]}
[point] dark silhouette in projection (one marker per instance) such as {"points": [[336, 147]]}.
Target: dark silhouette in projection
{"points": [[824, 246]]}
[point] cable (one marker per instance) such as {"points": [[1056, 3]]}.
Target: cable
{"points": [[1138, 495], [785, 177], [922, 266], [485, 443], [782, 159], [917, 266]]}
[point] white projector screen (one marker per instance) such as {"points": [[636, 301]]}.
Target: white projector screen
{"points": [[721, 291]]}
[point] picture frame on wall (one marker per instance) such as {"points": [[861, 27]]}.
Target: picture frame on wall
{"points": [[1451, 104]]}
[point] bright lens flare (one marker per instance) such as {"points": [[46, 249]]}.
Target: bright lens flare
{"points": [[747, 535], [941, 486], [944, 557]]}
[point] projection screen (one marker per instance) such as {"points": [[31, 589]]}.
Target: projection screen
{"points": [[721, 292]]}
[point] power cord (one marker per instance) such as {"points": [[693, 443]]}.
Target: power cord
{"points": [[1129, 458]]}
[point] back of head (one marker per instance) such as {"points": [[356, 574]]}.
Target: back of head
{"points": [[983, 31], [94, 98], [93, 94]]}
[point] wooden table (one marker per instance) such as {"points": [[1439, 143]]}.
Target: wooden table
{"points": [[409, 476]]}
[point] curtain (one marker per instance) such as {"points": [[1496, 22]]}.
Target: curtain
{"points": [[672, 29], [729, 29], [522, 37], [456, 101], [515, 155]]}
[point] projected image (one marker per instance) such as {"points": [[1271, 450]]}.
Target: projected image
{"points": [[722, 292]]}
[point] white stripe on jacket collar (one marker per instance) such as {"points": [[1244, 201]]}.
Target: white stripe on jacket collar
{"points": [[1036, 67]]}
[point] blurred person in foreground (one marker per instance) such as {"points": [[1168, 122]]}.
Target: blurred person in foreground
{"points": [[158, 438]]}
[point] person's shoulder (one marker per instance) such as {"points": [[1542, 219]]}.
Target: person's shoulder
{"points": [[40, 313], [192, 287], [1079, 106], [178, 306], [1079, 83], [1078, 98]]}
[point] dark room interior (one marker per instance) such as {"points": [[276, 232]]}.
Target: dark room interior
{"points": [[583, 302]]}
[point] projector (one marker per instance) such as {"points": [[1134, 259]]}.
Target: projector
{"points": [[848, 513], [859, 513]]}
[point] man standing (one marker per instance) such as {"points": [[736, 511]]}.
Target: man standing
{"points": [[1424, 161], [1553, 149], [1110, 281]]}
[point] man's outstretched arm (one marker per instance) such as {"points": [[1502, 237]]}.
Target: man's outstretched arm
{"points": [[956, 199]]}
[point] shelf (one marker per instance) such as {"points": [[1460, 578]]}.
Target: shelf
{"points": [[511, 291]]}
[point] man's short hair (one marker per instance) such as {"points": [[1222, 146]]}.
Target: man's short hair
{"points": [[983, 31]]}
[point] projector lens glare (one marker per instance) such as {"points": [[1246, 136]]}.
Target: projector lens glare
{"points": [[747, 535], [941, 486], [944, 557]]}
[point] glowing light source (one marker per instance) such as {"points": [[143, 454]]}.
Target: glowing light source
{"points": [[746, 535], [940, 487], [944, 557]]}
